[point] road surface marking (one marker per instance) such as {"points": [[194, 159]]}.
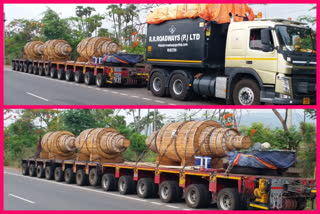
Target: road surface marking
{"points": [[15, 196], [37, 96], [156, 203], [173, 206], [114, 92], [187, 209], [78, 187], [158, 101], [135, 96], [146, 98], [124, 94]]}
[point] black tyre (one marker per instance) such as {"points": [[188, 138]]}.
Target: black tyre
{"points": [[69, 176], [32, 170], [61, 74], [179, 87], [47, 70], [35, 69], [89, 78], [25, 67], [13, 64], [146, 188], [58, 174], [94, 177], [25, 169], [228, 199], [302, 203], [109, 182], [40, 171], [246, 92], [41, 70], [81, 178], [30, 69], [49, 173], [198, 196], [17, 67], [101, 80], [169, 191], [158, 84], [126, 185], [69, 75], [79, 77], [22, 67], [53, 72]]}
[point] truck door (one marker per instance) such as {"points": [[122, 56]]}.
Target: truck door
{"points": [[264, 63]]}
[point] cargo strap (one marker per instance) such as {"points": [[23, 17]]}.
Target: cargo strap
{"points": [[195, 152], [145, 151], [173, 139]]}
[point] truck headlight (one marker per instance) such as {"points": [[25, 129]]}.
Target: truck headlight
{"points": [[285, 84]]}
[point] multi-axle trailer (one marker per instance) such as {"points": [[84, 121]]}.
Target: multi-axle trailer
{"points": [[89, 73], [198, 187]]}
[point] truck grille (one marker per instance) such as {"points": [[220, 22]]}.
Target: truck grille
{"points": [[304, 86]]}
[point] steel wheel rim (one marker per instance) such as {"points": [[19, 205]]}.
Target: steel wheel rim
{"points": [[104, 183], [192, 196], [225, 202], [246, 96], [157, 84], [177, 87], [165, 192], [142, 188], [121, 186]]}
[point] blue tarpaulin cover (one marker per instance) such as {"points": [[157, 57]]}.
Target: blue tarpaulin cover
{"points": [[262, 159], [123, 58]]}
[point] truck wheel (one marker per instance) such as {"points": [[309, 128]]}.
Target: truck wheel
{"points": [[157, 84], [47, 70], [246, 92], [30, 69], [69, 75], [53, 72], [101, 80], [301, 203], [13, 66], [179, 87], [49, 173], [169, 191], [94, 177], [109, 182], [58, 174], [25, 169], [198, 196], [81, 178], [228, 199], [41, 70], [69, 176], [89, 78], [126, 185], [61, 74], [146, 188], [17, 66], [78, 77], [21, 67], [25, 68], [35, 70], [32, 170], [40, 171]]}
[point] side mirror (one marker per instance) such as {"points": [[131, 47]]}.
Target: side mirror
{"points": [[266, 41]]}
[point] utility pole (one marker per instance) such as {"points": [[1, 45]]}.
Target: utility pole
{"points": [[289, 118], [155, 120]]}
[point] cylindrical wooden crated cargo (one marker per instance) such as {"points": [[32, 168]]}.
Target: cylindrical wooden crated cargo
{"points": [[33, 50], [177, 143], [95, 47], [56, 50], [101, 145], [58, 145]]}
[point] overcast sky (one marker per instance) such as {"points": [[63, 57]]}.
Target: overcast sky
{"points": [[34, 11]]}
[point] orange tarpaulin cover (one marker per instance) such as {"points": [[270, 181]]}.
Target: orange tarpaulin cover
{"points": [[211, 12]]}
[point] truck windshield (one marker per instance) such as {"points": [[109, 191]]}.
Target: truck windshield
{"points": [[295, 39]]}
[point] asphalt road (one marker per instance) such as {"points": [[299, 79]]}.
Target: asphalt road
{"points": [[31, 193], [28, 89]]}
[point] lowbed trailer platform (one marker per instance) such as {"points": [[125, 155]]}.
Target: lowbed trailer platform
{"points": [[198, 187], [89, 73]]}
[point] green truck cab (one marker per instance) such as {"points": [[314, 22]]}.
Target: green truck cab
{"points": [[245, 63]]}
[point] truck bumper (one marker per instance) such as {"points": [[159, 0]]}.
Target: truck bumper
{"points": [[290, 101]]}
